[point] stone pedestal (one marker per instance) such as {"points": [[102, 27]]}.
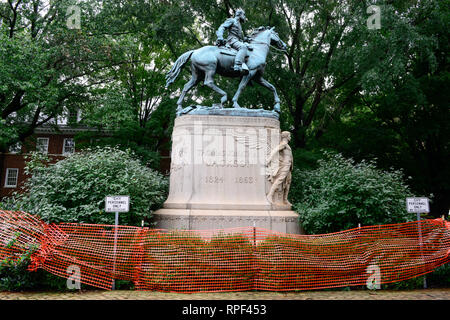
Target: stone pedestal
{"points": [[219, 175]]}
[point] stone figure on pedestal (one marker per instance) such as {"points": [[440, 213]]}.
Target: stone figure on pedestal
{"points": [[282, 176]]}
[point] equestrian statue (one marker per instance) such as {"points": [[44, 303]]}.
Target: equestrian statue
{"points": [[236, 57]]}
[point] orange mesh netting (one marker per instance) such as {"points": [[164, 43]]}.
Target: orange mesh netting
{"points": [[226, 260]]}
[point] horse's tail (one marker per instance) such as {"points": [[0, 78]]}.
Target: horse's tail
{"points": [[178, 65]]}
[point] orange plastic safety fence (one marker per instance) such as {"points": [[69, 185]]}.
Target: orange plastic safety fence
{"points": [[227, 260]]}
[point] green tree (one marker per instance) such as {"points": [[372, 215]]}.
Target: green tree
{"points": [[45, 65], [134, 108], [340, 194], [407, 124], [332, 56]]}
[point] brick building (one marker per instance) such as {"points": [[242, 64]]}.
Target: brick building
{"points": [[56, 143]]}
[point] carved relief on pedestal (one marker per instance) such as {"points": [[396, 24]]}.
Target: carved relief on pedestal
{"points": [[280, 164]]}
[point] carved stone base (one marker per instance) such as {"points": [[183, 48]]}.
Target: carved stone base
{"points": [[190, 219], [219, 175]]}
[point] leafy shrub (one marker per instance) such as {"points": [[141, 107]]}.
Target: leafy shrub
{"points": [[439, 278], [14, 276], [74, 189], [339, 194]]}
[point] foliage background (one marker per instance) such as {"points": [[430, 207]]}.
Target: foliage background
{"points": [[340, 194], [369, 94]]}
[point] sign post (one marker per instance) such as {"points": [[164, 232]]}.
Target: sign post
{"points": [[419, 205], [116, 204]]}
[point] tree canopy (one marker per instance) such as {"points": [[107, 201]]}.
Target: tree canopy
{"points": [[369, 93]]}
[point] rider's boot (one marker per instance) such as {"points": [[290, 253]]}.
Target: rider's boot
{"points": [[241, 68], [239, 64]]}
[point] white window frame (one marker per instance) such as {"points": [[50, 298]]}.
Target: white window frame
{"points": [[7, 175], [37, 144], [64, 146]]}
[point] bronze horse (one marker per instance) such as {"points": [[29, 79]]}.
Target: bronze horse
{"points": [[209, 60]]}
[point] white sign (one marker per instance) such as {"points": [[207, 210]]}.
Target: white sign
{"points": [[417, 205], [117, 204]]}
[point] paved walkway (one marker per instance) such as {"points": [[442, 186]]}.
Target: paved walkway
{"points": [[428, 294]]}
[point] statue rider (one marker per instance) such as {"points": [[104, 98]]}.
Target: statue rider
{"points": [[236, 39]]}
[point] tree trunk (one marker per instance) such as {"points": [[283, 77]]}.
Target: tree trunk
{"points": [[298, 130]]}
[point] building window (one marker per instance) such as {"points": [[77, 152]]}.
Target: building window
{"points": [[42, 145], [15, 148], [69, 146], [11, 178]]}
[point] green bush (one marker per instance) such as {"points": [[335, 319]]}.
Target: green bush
{"points": [[14, 276], [339, 194], [74, 189], [439, 278]]}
